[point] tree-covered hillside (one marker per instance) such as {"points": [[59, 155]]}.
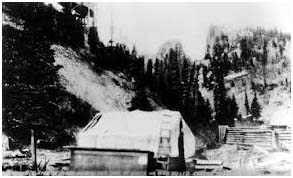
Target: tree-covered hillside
{"points": [[32, 95], [236, 77]]}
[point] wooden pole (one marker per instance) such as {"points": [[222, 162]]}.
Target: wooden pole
{"points": [[181, 166], [275, 140], [33, 150]]}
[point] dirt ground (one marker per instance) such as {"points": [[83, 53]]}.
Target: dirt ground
{"points": [[237, 160], [251, 161]]}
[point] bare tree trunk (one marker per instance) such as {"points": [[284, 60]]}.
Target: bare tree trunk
{"points": [[33, 150]]}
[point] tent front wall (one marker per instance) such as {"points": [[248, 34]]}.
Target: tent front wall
{"points": [[136, 130]]}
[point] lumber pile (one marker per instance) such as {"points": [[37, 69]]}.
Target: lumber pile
{"points": [[17, 164], [207, 164], [17, 160], [249, 135]]}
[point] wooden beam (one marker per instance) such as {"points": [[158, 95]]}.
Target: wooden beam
{"points": [[33, 150]]}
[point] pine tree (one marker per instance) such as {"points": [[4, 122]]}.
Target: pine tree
{"points": [[149, 73], [192, 76], [226, 64], [207, 55], [199, 111], [246, 52], [203, 111], [133, 52], [234, 107], [235, 62], [246, 104], [220, 98], [140, 72], [157, 72], [162, 84], [204, 74], [133, 61], [193, 83], [230, 112], [264, 62], [255, 108], [28, 73], [32, 94], [173, 80], [93, 40], [208, 111], [185, 89], [217, 49], [140, 101]]}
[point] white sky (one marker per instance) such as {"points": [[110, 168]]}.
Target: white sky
{"points": [[149, 25]]}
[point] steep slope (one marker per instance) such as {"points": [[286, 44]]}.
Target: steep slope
{"points": [[105, 91]]}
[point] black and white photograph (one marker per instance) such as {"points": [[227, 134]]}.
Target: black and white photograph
{"points": [[160, 88]]}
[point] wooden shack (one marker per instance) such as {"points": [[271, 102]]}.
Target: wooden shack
{"points": [[237, 80]]}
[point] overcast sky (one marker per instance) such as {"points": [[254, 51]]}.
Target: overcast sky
{"points": [[149, 25]]}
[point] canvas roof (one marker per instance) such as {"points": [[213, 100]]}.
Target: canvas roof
{"points": [[138, 130]]}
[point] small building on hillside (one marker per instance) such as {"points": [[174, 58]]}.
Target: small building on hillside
{"points": [[128, 137], [281, 119], [238, 80]]}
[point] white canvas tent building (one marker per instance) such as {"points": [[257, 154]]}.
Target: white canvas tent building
{"points": [[136, 130]]}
